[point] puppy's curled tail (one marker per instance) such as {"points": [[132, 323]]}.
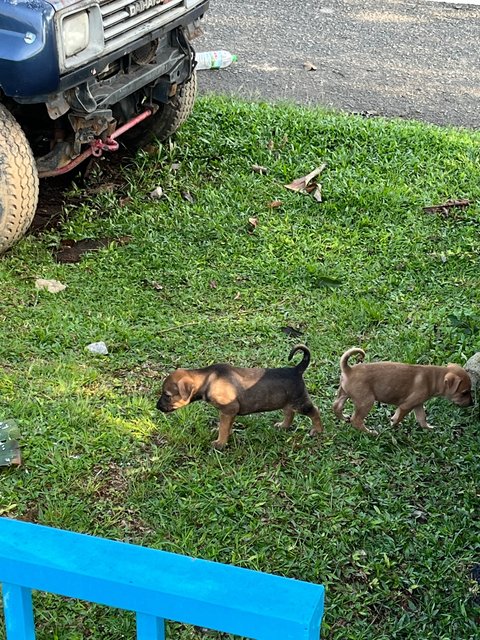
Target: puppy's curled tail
{"points": [[305, 361], [344, 366]]}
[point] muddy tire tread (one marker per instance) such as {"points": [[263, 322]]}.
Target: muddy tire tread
{"points": [[163, 124], [177, 115], [18, 181]]}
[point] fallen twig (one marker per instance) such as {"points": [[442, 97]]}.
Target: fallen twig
{"points": [[449, 204]]}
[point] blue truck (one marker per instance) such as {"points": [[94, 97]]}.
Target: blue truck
{"points": [[78, 75]]}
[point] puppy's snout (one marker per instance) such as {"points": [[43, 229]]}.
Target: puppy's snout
{"points": [[465, 400], [163, 404], [469, 400]]}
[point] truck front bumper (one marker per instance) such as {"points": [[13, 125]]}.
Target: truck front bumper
{"points": [[29, 60]]}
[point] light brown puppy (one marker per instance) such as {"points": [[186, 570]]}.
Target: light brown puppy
{"points": [[241, 391], [406, 386]]}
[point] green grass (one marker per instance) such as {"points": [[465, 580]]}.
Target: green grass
{"points": [[388, 525]]}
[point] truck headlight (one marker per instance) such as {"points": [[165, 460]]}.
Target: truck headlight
{"points": [[80, 37], [75, 33]]}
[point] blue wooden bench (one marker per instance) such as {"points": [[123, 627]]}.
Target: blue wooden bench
{"points": [[156, 585]]}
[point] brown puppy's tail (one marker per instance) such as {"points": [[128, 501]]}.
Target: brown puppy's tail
{"points": [[344, 366], [305, 361]]}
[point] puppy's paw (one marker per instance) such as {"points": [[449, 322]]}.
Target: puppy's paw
{"points": [[219, 446], [428, 426], [314, 433], [282, 425]]}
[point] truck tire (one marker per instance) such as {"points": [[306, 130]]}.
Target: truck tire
{"points": [[18, 181], [166, 120]]}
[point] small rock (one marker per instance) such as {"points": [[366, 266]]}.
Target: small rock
{"points": [[53, 286], [472, 367], [100, 348]]}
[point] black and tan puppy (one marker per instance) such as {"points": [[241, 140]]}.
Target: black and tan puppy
{"points": [[407, 386], [238, 391]]}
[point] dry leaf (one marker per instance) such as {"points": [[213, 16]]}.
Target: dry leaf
{"points": [[449, 204], [300, 184], [53, 286], [256, 168], [291, 331], [274, 204], [213, 284], [156, 194], [317, 194], [186, 195], [364, 114], [253, 222], [309, 66], [72, 250], [105, 187], [237, 295], [154, 284]]}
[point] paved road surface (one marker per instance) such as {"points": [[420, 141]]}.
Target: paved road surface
{"points": [[412, 59]]}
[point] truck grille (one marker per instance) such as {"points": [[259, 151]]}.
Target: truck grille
{"points": [[128, 20]]}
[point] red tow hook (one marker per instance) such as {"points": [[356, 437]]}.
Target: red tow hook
{"points": [[97, 146]]}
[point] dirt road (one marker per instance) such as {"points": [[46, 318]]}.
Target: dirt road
{"points": [[414, 59]]}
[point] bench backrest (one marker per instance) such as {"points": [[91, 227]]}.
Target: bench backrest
{"points": [[157, 585]]}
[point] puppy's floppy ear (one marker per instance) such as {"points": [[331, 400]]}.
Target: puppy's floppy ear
{"points": [[185, 389], [452, 381]]}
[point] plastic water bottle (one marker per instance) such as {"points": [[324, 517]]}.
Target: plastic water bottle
{"points": [[214, 59]]}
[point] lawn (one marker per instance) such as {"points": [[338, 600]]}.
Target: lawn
{"points": [[210, 272]]}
